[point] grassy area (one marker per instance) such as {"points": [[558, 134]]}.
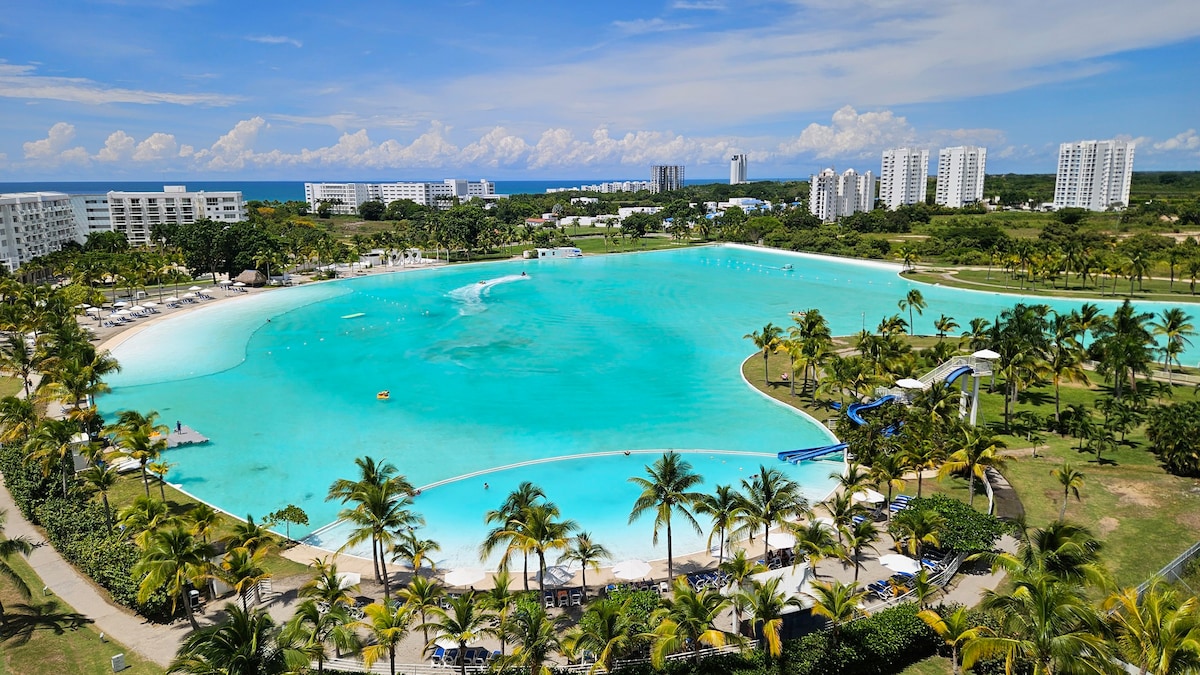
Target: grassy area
{"points": [[129, 488], [44, 636], [999, 282], [934, 665], [9, 386], [622, 245]]}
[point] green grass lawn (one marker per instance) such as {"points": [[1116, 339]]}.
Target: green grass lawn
{"points": [[43, 637], [598, 245], [934, 665], [999, 281], [9, 386]]}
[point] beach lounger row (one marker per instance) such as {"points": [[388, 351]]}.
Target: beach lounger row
{"points": [[563, 597], [471, 657], [899, 503], [659, 587], [701, 580]]}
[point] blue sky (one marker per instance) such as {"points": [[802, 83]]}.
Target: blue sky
{"points": [[150, 89]]}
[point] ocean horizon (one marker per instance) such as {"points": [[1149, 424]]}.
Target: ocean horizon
{"points": [[286, 190]]}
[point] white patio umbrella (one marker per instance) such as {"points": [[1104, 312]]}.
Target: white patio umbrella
{"points": [[171, 298], [150, 304], [239, 284], [207, 291], [986, 354], [121, 304], [910, 383], [464, 576], [900, 563], [780, 540], [93, 310], [349, 578], [137, 308], [557, 575], [631, 569], [869, 496], [224, 282], [189, 296], [194, 288]]}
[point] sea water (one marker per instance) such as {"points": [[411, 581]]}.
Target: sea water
{"points": [[496, 378]]}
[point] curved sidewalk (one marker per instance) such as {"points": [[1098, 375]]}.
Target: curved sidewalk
{"points": [[154, 642]]}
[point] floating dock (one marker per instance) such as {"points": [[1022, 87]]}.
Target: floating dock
{"points": [[187, 436]]}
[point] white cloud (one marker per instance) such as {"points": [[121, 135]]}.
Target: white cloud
{"points": [[851, 134], [158, 147], [642, 26], [704, 5], [21, 82], [234, 149], [275, 40], [495, 148], [118, 147], [1188, 141], [53, 148]]}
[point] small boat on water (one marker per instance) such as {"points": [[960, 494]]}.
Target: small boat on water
{"points": [[383, 395], [786, 268]]}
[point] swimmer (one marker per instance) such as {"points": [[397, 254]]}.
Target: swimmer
{"points": [[523, 274], [626, 453], [485, 486]]}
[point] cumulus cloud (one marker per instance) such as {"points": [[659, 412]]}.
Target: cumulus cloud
{"points": [[118, 147], [708, 5], [275, 40], [18, 81], [642, 26], [851, 134], [234, 149], [53, 148], [1188, 141], [158, 147]]}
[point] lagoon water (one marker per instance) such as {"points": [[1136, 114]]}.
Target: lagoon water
{"points": [[581, 359]]}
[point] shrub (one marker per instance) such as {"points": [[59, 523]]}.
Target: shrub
{"points": [[966, 530]]}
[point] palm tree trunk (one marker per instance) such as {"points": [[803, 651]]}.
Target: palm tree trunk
{"points": [[462, 649], [107, 511], [542, 573], [670, 560], [387, 587], [145, 480], [1062, 510], [392, 659], [971, 485], [187, 605], [526, 557], [766, 370]]}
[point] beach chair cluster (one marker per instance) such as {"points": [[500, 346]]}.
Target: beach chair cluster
{"points": [[356, 610], [563, 597], [779, 559], [899, 503], [886, 589], [702, 580], [659, 587], [472, 658]]}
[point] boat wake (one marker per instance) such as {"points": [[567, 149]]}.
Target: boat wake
{"points": [[470, 297]]}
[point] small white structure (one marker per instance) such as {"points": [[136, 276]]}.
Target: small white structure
{"points": [[559, 252]]}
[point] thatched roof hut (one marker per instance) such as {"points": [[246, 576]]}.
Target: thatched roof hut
{"points": [[252, 278]]}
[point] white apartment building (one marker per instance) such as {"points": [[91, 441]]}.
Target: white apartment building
{"points": [[665, 178], [832, 196], [607, 188], [344, 198], [1093, 175], [902, 179], [34, 224], [960, 175], [737, 170], [134, 214], [91, 212]]}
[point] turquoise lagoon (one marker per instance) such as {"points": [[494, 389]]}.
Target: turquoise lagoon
{"points": [[497, 378]]}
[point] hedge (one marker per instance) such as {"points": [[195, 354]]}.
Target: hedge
{"points": [[966, 530]]}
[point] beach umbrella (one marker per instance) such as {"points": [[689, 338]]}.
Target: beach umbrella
{"points": [[239, 284], [224, 282], [349, 578], [121, 304], [777, 540], [93, 310], [910, 383], [151, 304], [631, 569], [189, 296], [194, 288], [206, 291], [900, 563], [464, 576], [171, 298], [986, 354], [870, 496], [137, 308], [557, 575]]}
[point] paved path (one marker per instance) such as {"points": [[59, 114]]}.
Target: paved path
{"points": [[154, 642]]}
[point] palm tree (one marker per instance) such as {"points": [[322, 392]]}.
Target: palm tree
{"points": [[244, 643], [160, 471], [1176, 326], [837, 602], [18, 417], [173, 558], [414, 550], [543, 532], [8, 549], [510, 512], [1157, 631], [605, 631], [667, 490], [243, 569], [1071, 480], [587, 553], [766, 603], [724, 507], [944, 324], [102, 479], [327, 586], [919, 455], [379, 512], [52, 446], [771, 498], [499, 600], [1061, 550], [388, 625], [887, 473], [767, 341], [955, 629], [915, 528], [814, 541], [1065, 358], [687, 620], [141, 437], [310, 628], [859, 536], [463, 623], [420, 596], [17, 358], [842, 507], [739, 568], [978, 451], [378, 488], [145, 517], [913, 300], [248, 535], [535, 636]]}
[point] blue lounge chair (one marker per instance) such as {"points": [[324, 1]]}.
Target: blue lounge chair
{"points": [[439, 653]]}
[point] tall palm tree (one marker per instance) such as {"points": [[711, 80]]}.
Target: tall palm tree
{"points": [[243, 569], [544, 532], [913, 300], [420, 596], [587, 553], [18, 419], [837, 602], [205, 520], [954, 627], [1064, 360], [767, 341], [380, 512], [944, 324], [668, 490], [379, 484], [842, 507], [8, 549], [921, 454], [771, 499], [101, 479], [414, 550], [534, 636], [504, 519], [249, 535], [766, 603], [915, 528], [310, 629], [463, 622], [887, 473], [246, 642], [142, 437], [687, 620], [1176, 326], [144, 518], [814, 541], [18, 358], [738, 568], [724, 506], [327, 586], [387, 624], [1156, 631], [499, 600], [52, 446], [1067, 552], [859, 536], [1071, 480], [977, 452], [606, 632], [173, 558]]}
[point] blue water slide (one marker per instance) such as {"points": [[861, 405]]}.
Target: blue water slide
{"points": [[853, 412], [796, 456], [957, 373]]}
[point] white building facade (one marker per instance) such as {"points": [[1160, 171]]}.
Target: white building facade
{"points": [[1093, 175], [902, 179], [343, 198], [134, 214], [665, 178], [91, 213], [737, 170], [34, 224], [960, 175], [833, 195]]}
